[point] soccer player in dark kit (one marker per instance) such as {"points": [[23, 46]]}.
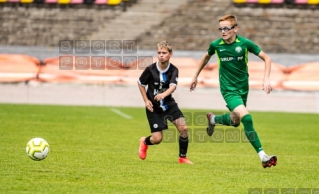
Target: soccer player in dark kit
{"points": [[161, 80]]}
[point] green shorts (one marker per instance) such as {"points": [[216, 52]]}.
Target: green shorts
{"points": [[234, 99]]}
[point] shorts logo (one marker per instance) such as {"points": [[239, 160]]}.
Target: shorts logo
{"points": [[238, 49], [156, 83], [155, 126]]}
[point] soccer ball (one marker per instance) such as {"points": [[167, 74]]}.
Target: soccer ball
{"points": [[37, 149]]}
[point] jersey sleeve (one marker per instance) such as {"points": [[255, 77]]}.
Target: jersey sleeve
{"points": [[174, 78], [252, 47], [145, 77], [211, 49]]}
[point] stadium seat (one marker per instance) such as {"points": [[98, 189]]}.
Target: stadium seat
{"points": [[264, 1], [277, 1], [100, 2], [301, 1], [3, 1], [26, 1], [239, 1], [38, 1], [88, 1], [51, 1], [64, 1], [114, 2], [251, 1], [76, 1], [14, 1], [313, 2], [289, 1]]}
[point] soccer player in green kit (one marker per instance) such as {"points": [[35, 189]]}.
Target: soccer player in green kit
{"points": [[232, 52]]}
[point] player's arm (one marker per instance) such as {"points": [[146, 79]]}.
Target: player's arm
{"points": [[169, 91], [203, 61], [266, 86], [142, 83], [148, 103], [172, 86]]}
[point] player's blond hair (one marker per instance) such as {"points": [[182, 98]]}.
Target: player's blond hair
{"points": [[229, 17], [165, 44]]}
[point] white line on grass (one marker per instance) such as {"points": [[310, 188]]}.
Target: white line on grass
{"points": [[121, 113]]}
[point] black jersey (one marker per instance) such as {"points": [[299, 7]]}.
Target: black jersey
{"points": [[157, 82]]}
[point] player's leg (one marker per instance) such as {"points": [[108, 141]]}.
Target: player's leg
{"points": [[252, 136], [176, 116], [157, 124], [228, 119]]}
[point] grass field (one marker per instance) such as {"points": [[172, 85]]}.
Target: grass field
{"points": [[94, 150]]}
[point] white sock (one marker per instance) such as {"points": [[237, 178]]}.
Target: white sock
{"points": [[212, 120], [261, 154]]}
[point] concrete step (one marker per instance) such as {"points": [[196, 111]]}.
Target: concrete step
{"points": [[137, 19]]}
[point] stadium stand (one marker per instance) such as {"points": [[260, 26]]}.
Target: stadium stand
{"points": [[278, 29]]}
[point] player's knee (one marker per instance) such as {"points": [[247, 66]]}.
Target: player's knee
{"points": [[235, 120], [183, 130], [157, 139]]}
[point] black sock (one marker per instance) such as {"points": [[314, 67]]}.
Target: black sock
{"points": [[183, 145], [148, 140]]}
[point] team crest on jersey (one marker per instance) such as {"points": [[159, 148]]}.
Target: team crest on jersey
{"points": [[238, 49]]}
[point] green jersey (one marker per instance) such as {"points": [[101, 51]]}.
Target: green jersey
{"points": [[232, 62]]}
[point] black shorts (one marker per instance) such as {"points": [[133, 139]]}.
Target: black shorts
{"points": [[158, 121]]}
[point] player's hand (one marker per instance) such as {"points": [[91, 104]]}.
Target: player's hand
{"points": [[193, 84], [149, 105], [159, 97], [267, 87]]}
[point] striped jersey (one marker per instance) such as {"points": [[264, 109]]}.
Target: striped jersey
{"points": [[158, 81]]}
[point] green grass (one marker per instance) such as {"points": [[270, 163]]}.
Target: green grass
{"points": [[94, 150]]}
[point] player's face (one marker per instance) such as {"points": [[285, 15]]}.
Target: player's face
{"points": [[227, 30], [163, 55]]}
